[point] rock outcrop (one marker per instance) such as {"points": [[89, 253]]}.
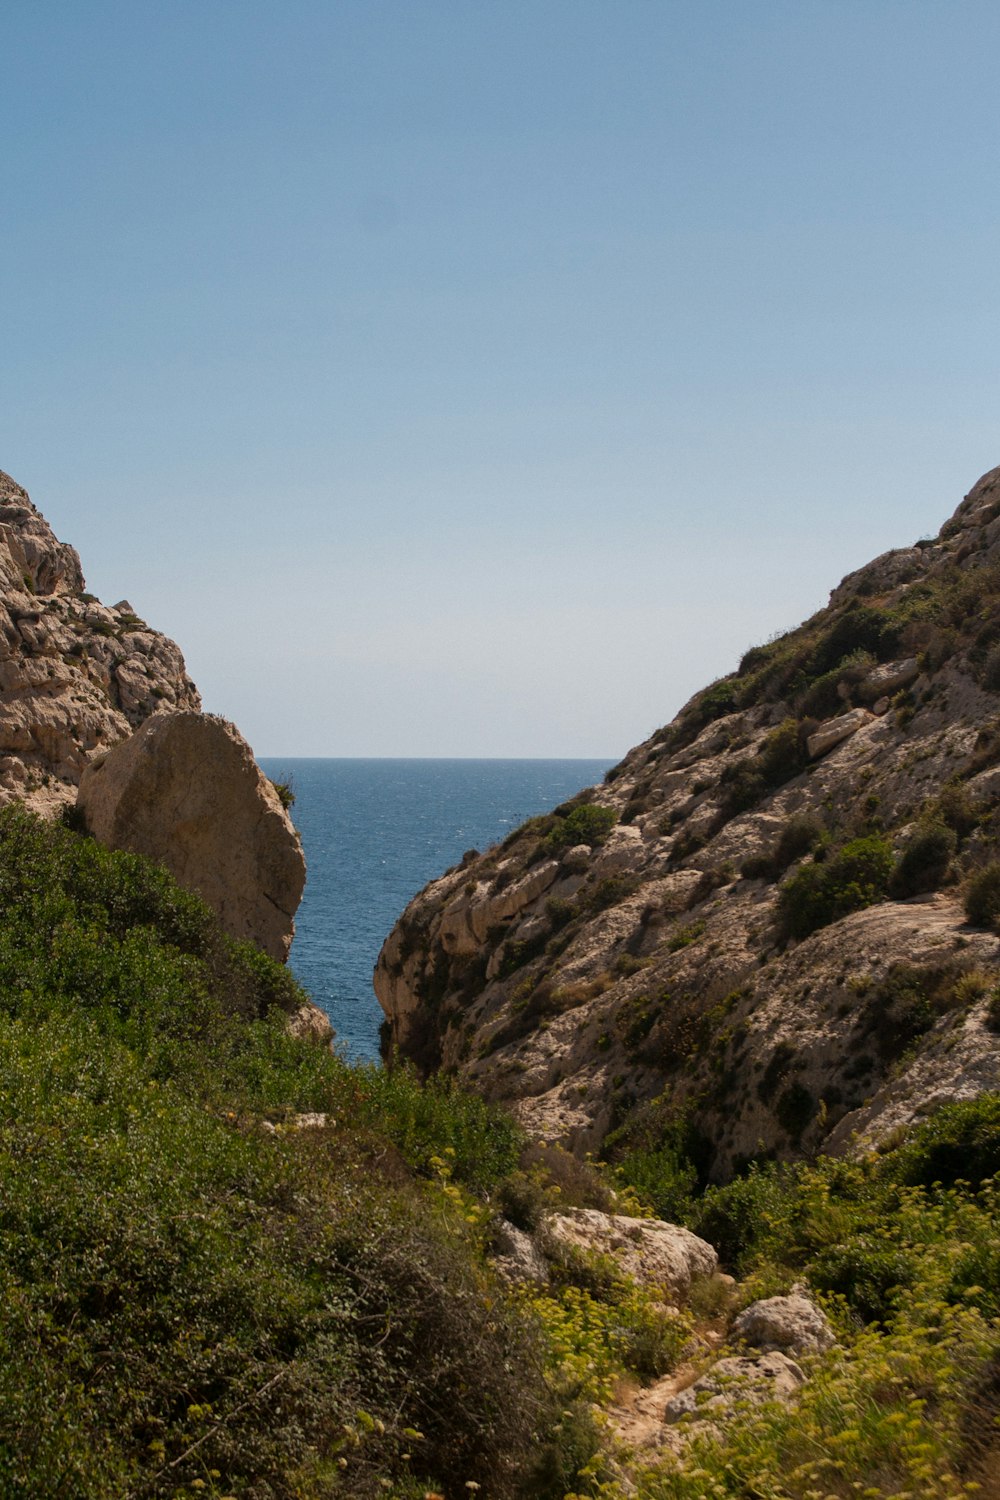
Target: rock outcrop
{"points": [[186, 791], [75, 676], [746, 946], [792, 1325], [650, 1251], [739, 1381]]}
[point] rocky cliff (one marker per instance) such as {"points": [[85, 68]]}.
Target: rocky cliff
{"points": [[75, 675], [759, 923]]}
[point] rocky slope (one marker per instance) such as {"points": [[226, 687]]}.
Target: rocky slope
{"points": [[757, 922], [75, 675]]}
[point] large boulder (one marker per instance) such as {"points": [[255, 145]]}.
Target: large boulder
{"points": [[792, 1325], [666, 1256], [186, 791]]}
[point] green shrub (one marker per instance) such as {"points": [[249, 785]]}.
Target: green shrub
{"points": [[802, 833], [587, 823], [924, 863], [957, 809], [665, 1178], [960, 1142], [781, 756], [982, 896], [906, 1003], [868, 1273], [821, 892], [286, 795], [858, 628], [740, 1219]]}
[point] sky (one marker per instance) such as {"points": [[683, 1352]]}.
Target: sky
{"points": [[483, 379]]}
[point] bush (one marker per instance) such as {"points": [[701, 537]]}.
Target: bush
{"points": [[802, 833], [923, 865], [868, 1273], [781, 756], [906, 1004], [856, 876], [740, 1218], [665, 1178], [982, 896], [858, 628], [588, 823], [961, 1142]]}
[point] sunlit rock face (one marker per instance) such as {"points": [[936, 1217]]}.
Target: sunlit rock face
{"points": [[598, 981], [75, 676], [185, 790]]}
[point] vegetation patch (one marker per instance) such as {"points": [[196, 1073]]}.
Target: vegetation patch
{"points": [[782, 756], [199, 1296], [587, 823], [821, 892]]}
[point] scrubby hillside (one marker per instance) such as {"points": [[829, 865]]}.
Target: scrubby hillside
{"points": [[229, 1264], [757, 932]]}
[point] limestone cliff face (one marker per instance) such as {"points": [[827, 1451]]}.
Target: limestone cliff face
{"points": [[75, 676], [653, 946]]}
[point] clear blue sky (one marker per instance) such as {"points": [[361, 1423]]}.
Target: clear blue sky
{"points": [[483, 378]]}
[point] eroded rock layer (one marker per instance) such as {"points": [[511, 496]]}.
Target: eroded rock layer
{"points": [[758, 922]]}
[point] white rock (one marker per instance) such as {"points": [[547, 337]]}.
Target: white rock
{"points": [[517, 1256], [890, 677], [835, 730]]}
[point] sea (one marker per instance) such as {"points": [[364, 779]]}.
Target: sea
{"points": [[374, 833]]}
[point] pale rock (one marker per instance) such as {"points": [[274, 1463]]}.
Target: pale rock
{"points": [[576, 859], [650, 1250], [745, 1380], [516, 1256], [185, 791], [530, 929], [792, 1324], [310, 1024], [834, 731], [890, 677], [500, 906], [618, 850]]}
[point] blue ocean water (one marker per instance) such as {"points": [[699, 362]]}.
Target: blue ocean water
{"points": [[374, 833]]}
